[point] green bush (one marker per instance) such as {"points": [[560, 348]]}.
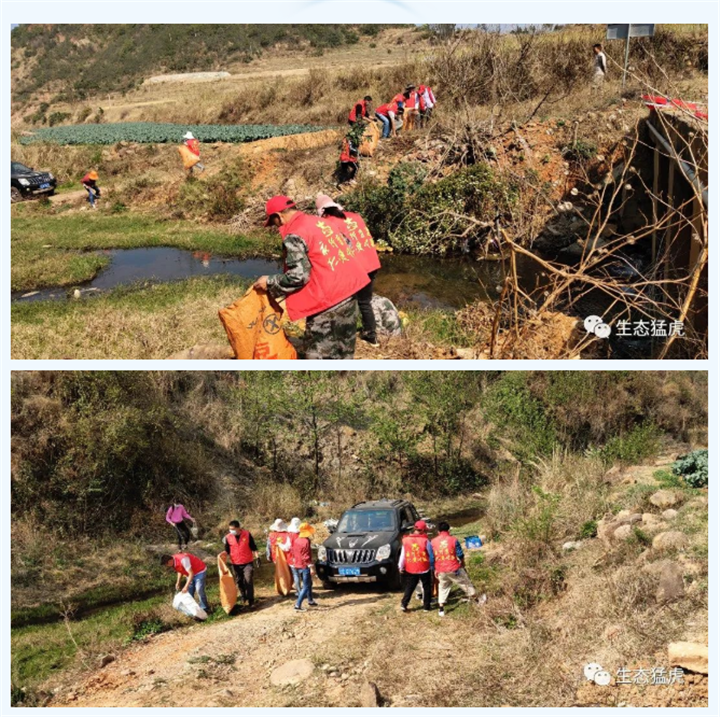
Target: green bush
{"points": [[144, 624], [420, 217], [57, 118], [588, 529], [693, 468], [634, 445]]}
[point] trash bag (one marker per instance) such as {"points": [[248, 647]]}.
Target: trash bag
{"points": [[473, 541], [228, 588], [189, 159], [194, 532], [185, 603], [283, 578], [254, 328], [387, 318], [370, 140]]}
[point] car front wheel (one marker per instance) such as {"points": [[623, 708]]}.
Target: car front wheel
{"points": [[15, 195]]}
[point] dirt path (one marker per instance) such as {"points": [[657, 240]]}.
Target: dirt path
{"points": [[188, 668]]}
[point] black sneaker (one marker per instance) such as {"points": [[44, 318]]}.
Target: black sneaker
{"points": [[313, 604], [298, 608], [404, 608]]}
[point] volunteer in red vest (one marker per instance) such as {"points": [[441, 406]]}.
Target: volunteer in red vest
{"points": [[320, 280], [293, 532], [193, 569], [240, 547], [360, 111], [450, 567], [427, 103], [302, 560], [348, 162], [387, 114], [277, 530], [194, 146], [417, 562], [411, 107], [352, 226]]}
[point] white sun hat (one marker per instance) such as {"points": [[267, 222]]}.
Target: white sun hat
{"points": [[188, 135], [279, 526], [294, 526]]}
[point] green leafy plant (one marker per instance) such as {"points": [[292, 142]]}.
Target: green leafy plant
{"points": [[160, 133], [693, 468]]}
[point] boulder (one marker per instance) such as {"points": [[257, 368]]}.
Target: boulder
{"points": [[623, 532], [670, 540], [691, 656], [369, 695], [650, 519], [665, 498], [291, 673], [671, 586], [572, 545], [669, 514]]}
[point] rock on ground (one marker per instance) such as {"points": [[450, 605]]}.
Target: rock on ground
{"points": [[691, 656], [369, 695], [291, 673], [671, 585], [670, 540], [664, 498]]}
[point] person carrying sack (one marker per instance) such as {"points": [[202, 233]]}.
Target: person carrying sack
{"points": [[319, 281]]}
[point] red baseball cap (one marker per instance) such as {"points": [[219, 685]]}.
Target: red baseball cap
{"points": [[276, 205], [421, 525]]}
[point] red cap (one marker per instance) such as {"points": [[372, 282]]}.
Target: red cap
{"points": [[421, 525], [276, 205]]}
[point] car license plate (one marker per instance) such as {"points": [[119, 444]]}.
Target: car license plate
{"points": [[45, 186], [349, 571]]}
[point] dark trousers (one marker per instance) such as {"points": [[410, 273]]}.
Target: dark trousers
{"points": [[347, 171], [244, 579], [364, 299], [411, 581], [183, 533]]}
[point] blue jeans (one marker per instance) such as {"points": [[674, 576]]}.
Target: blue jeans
{"points": [[306, 591], [198, 582], [386, 125], [91, 196], [296, 579]]}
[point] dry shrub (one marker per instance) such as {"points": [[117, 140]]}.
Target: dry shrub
{"points": [[276, 500]]}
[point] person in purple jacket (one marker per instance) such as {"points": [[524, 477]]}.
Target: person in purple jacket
{"points": [[176, 516]]}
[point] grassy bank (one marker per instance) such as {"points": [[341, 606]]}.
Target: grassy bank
{"points": [[50, 250], [158, 320]]}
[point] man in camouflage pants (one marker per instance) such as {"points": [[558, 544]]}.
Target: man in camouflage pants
{"points": [[329, 334]]}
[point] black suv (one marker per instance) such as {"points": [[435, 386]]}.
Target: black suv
{"points": [[365, 546], [26, 182]]}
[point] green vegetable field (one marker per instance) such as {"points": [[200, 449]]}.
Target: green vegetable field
{"points": [[160, 133]]}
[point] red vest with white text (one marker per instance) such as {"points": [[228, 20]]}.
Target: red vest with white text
{"points": [[334, 276], [417, 558], [240, 553], [446, 560], [355, 229]]}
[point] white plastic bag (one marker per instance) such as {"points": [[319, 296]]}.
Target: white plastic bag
{"points": [[185, 603], [194, 532]]}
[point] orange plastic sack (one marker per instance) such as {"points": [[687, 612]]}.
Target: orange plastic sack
{"points": [[228, 589], [370, 140], [188, 158], [283, 578], [254, 328]]}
